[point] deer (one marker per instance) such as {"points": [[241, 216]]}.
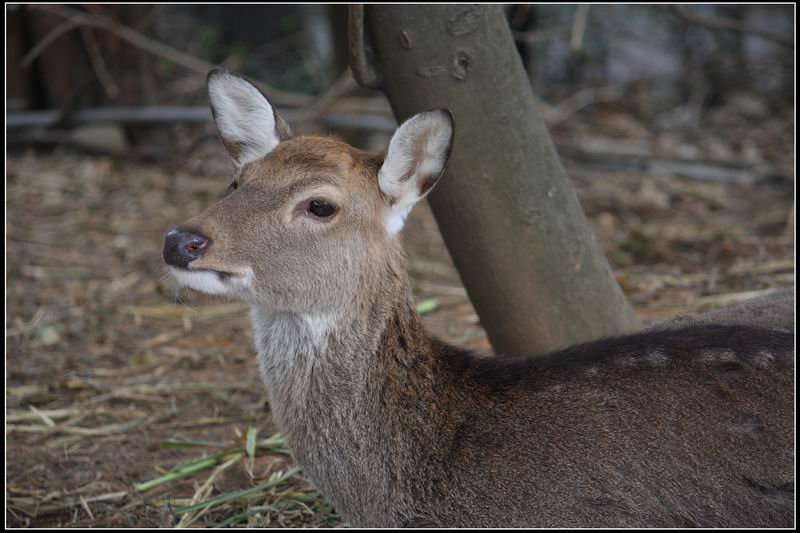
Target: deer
{"points": [[680, 425]]}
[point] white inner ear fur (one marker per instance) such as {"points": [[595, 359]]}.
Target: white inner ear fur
{"points": [[416, 157], [244, 118]]}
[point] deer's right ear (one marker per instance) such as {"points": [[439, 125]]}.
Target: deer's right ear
{"points": [[247, 124]]}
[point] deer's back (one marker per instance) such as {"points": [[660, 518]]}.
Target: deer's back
{"points": [[680, 427]]}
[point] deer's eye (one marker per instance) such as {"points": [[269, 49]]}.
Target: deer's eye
{"points": [[232, 187], [321, 208]]}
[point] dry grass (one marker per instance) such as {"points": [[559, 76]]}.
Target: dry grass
{"points": [[132, 405]]}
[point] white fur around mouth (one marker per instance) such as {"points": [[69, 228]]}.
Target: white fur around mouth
{"points": [[211, 282]]}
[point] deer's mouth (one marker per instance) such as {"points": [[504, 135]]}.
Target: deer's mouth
{"points": [[211, 281], [223, 274]]}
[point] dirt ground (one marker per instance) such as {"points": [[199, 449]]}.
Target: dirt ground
{"points": [[114, 378]]}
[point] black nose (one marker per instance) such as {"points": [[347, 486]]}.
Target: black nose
{"points": [[183, 247]]}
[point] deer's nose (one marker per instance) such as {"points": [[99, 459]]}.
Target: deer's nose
{"points": [[183, 247]]}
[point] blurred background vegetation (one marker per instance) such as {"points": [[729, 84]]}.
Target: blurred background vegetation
{"points": [[672, 67]]}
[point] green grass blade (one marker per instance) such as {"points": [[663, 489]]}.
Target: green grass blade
{"points": [[274, 444], [232, 496], [217, 456], [180, 443], [197, 466], [426, 307], [185, 470]]}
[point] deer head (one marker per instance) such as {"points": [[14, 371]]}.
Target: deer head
{"points": [[307, 218]]}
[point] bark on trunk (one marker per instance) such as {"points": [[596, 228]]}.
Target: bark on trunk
{"points": [[509, 217]]}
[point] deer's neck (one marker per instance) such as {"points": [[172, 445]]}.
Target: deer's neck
{"points": [[336, 357], [341, 386]]}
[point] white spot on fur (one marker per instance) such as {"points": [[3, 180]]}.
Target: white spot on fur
{"points": [[763, 359], [417, 154], [748, 426], [592, 371], [318, 325], [656, 357], [243, 116], [282, 337], [717, 356]]}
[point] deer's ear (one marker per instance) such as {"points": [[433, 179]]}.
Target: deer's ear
{"points": [[247, 124], [416, 159]]}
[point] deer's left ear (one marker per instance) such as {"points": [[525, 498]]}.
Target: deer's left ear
{"points": [[416, 159]]}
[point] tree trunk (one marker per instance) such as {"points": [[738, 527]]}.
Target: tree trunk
{"points": [[506, 210]]}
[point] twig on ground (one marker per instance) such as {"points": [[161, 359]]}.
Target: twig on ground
{"points": [[237, 495], [203, 492], [725, 24], [718, 301], [638, 157], [36, 507]]}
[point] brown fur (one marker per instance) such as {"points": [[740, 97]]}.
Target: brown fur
{"points": [[412, 429], [690, 424]]}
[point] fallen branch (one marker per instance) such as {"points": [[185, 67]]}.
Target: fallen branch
{"points": [[48, 139], [724, 24], [540, 36], [122, 115], [770, 267], [556, 114], [638, 159], [718, 301], [365, 117], [37, 122], [33, 507]]}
